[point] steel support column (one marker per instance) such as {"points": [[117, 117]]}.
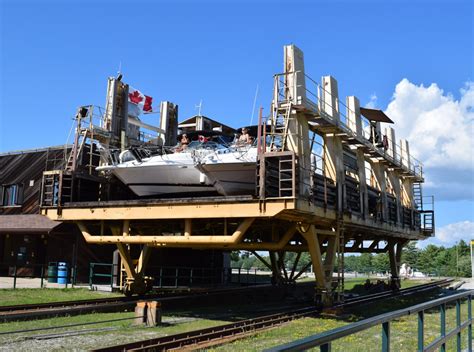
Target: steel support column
{"points": [[323, 285]]}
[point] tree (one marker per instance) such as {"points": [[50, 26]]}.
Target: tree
{"points": [[351, 263], [410, 254], [427, 261], [249, 262], [234, 256], [365, 263], [381, 263], [464, 266]]}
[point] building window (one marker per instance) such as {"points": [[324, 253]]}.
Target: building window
{"points": [[11, 195]]}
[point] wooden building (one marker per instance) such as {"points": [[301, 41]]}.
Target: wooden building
{"points": [[28, 240]]}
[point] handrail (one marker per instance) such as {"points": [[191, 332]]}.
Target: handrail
{"points": [[323, 340], [343, 122]]}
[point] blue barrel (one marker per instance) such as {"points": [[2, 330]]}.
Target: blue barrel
{"points": [[62, 273]]}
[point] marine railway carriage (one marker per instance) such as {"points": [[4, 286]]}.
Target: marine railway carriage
{"points": [[327, 183]]}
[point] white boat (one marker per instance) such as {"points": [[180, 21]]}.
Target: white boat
{"points": [[173, 173], [232, 171]]}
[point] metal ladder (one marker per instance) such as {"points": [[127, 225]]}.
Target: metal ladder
{"points": [[340, 267], [76, 151], [418, 195], [56, 188], [279, 126]]}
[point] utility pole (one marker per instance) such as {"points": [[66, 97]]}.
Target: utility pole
{"points": [[457, 259]]}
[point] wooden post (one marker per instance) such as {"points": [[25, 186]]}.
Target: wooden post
{"points": [[140, 313], [153, 313]]}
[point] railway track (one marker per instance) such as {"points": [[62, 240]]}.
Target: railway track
{"points": [[228, 332], [44, 310]]}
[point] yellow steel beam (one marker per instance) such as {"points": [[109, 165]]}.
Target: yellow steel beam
{"points": [[156, 241], [126, 260], [312, 239], [282, 244], [143, 259], [330, 256], [188, 227], [173, 211], [126, 228], [272, 246]]}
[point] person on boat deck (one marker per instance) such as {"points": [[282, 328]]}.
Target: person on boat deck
{"points": [[244, 137], [183, 143]]}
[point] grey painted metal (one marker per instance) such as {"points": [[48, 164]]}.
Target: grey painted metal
{"points": [[440, 341], [326, 338], [421, 330], [458, 324], [326, 348], [469, 318], [386, 336], [442, 312]]}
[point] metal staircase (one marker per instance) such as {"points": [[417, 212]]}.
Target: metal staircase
{"points": [[425, 209], [418, 195], [279, 127]]}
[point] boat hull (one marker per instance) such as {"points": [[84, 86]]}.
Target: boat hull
{"points": [[232, 178], [163, 179]]}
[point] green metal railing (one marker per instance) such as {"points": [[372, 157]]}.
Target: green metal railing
{"points": [[39, 271], [325, 339], [166, 277], [109, 274]]}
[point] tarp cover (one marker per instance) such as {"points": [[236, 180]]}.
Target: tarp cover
{"points": [[375, 115]]}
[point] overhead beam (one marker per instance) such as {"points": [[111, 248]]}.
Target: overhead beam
{"points": [[169, 240]]}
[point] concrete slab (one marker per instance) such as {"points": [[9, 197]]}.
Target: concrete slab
{"points": [[469, 285], [7, 282]]}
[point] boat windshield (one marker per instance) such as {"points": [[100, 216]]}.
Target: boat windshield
{"points": [[204, 145]]}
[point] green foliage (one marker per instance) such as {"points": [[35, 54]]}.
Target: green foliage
{"points": [[432, 260], [381, 263], [410, 254]]}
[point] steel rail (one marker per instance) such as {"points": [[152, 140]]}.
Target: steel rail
{"points": [[245, 327], [402, 292], [43, 310]]}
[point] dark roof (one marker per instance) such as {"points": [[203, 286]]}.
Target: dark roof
{"points": [[37, 150], [28, 224], [190, 120], [375, 115]]}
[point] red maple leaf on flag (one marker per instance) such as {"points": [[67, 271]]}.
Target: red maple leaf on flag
{"points": [[135, 97]]}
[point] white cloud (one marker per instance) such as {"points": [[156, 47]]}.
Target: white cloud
{"points": [[440, 131], [449, 235], [372, 102], [439, 127]]}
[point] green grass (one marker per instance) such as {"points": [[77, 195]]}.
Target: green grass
{"points": [[356, 285], [107, 334], [46, 295], [403, 331], [91, 336]]}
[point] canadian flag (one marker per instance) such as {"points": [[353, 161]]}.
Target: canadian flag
{"points": [[139, 99]]}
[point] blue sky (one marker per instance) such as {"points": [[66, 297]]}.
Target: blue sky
{"points": [[56, 55]]}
